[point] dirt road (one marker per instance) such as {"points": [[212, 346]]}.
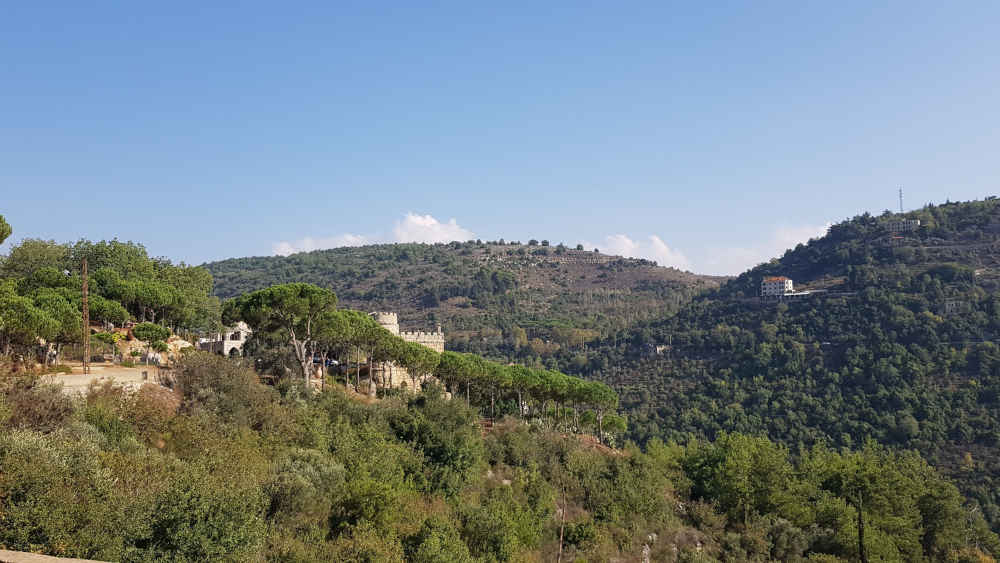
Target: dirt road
{"points": [[131, 378]]}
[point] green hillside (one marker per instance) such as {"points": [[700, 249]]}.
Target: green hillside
{"points": [[531, 290], [218, 466], [897, 342], [901, 348], [227, 469]]}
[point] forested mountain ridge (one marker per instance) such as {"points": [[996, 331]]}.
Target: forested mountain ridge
{"points": [[903, 348], [219, 466], [550, 292]]}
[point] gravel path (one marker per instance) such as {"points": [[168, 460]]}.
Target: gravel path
{"points": [[132, 378], [22, 557]]}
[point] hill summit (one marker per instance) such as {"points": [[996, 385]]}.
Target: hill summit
{"points": [[475, 286], [890, 333]]}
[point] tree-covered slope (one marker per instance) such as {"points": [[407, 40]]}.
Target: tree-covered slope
{"points": [[902, 348], [224, 468], [475, 287]]}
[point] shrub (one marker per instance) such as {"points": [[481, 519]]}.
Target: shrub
{"points": [[437, 542], [301, 490], [53, 494], [215, 385], [41, 407], [200, 518], [366, 543], [108, 422], [151, 408]]}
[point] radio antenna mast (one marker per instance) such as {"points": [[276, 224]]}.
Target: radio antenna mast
{"points": [[901, 200]]}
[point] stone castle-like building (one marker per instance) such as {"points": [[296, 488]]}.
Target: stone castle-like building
{"points": [[393, 375], [390, 322]]}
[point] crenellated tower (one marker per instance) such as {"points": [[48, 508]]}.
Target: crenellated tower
{"points": [[392, 374], [389, 321]]}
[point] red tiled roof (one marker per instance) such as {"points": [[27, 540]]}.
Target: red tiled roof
{"points": [[776, 278]]}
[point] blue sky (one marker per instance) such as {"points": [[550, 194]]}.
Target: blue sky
{"points": [[705, 135]]}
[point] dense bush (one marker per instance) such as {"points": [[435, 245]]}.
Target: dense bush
{"points": [[226, 469]]}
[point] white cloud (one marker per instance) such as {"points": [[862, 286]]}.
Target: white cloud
{"points": [[667, 256], [284, 248], [653, 248], [411, 228], [425, 228], [733, 260], [730, 260]]}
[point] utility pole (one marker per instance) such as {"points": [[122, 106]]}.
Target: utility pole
{"points": [[86, 323], [861, 529]]}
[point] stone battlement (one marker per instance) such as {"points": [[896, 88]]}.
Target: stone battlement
{"points": [[433, 340], [391, 374], [422, 334], [390, 321]]}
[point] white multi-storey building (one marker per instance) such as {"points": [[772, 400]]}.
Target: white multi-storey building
{"points": [[775, 286], [903, 225]]}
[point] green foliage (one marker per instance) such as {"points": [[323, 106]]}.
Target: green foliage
{"points": [[480, 293], [41, 292], [226, 390], [21, 321], [117, 432], [150, 332], [229, 469], [742, 474], [900, 349], [499, 527], [303, 488], [5, 229], [239, 472], [42, 408], [291, 309], [447, 438], [106, 310], [438, 541], [52, 489], [31, 255], [199, 518]]}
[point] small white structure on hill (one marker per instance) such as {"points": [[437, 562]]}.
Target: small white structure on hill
{"points": [[775, 286], [229, 342], [903, 225]]}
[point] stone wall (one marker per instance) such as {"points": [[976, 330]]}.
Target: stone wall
{"points": [[433, 340], [394, 375]]}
